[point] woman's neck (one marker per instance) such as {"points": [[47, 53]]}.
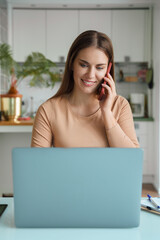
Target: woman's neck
{"points": [[83, 105]]}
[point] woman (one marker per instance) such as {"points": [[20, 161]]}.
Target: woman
{"points": [[75, 117]]}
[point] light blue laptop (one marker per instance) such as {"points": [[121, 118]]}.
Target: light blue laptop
{"points": [[77, 187]]}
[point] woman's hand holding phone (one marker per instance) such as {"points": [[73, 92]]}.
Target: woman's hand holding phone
{"points": [[102, 93], [109, 92]]}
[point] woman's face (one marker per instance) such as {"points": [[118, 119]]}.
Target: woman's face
{"points": [[89, 68]]}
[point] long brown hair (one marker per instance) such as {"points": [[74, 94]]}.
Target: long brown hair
{"points": [[84, 40]]}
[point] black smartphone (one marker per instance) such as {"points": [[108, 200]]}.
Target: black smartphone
{"points": [[2, 208], [102, 91]]}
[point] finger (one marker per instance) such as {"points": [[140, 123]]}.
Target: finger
{"points": [[107, 88], [110, 76], [110, 88], [110, 82]]}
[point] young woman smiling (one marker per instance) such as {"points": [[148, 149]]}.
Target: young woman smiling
{"points": [[74, 117]]}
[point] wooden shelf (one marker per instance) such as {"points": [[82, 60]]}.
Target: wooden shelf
{"points": [[18, 123]]}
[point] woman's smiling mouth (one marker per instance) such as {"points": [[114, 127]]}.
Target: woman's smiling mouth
{"points": [[88, 83]]}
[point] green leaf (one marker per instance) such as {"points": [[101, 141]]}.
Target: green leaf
{"points": [[43, 71]]}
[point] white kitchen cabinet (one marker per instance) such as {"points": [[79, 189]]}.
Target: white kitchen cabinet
{"points": [[62, 29], [52, 32], [29, 33], [99, 20], [144, 131], [130, 35]]}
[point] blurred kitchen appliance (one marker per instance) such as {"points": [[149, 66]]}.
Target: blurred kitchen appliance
{"points": [[137, 101]]}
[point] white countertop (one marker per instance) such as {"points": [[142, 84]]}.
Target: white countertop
{"points": [[12, 127]]}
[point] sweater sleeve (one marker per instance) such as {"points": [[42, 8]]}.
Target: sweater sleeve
{"points": [[123, 134], [42, 133]]}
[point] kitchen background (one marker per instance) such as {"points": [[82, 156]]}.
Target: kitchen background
{"points": [[50, 27], [132, 50]]}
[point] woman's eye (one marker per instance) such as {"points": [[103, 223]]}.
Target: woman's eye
{"points": [[83, 65], [99, 68]]}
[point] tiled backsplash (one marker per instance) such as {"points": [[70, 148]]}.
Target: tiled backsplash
{"points": [[3, 39]]}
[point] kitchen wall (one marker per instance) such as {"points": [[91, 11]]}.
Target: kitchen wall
{"points": [[3, 38], [32, 101]]}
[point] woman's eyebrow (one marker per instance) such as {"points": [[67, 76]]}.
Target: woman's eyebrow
{"points": [[83, 61], [100, 64]]}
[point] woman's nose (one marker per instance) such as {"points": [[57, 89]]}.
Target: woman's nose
{"points": [[91, 72]]}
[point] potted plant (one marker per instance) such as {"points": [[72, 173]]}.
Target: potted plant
{"points": [[11, 101], [42, 71], [7, 63]]}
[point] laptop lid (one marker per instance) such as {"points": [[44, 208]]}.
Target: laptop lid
{"points": [[77, 187]]}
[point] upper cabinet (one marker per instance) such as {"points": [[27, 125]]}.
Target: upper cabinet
{"points": [[62, 29], [52, 32], [130, 35], [29, 33], [99, 20]]}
